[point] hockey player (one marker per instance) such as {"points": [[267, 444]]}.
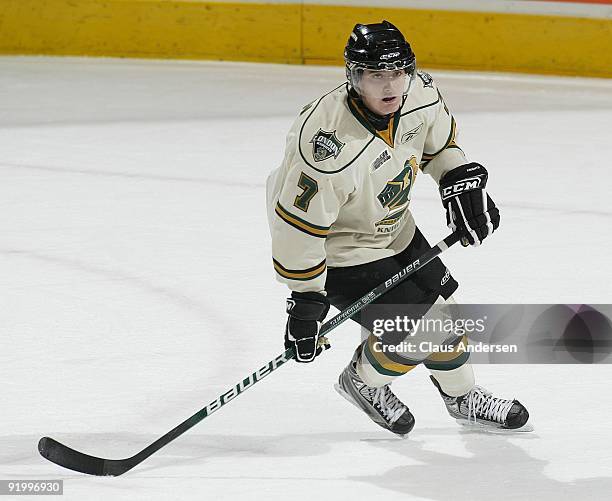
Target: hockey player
{"points": [[340, 222]]}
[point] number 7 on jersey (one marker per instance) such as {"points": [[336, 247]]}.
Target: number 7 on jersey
{"points": [[310, 187]]}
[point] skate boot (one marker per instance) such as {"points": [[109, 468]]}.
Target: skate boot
{"points": [[380, 404], [480, 408]]}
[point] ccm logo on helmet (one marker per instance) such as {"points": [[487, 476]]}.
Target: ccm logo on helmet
{"points": [[469, 184], [390, 55]]}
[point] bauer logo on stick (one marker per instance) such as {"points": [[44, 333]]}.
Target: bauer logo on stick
{"points": [[325, 145]]}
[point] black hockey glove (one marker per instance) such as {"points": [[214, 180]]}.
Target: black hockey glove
{"points": [[306, 312], [469, 209]]}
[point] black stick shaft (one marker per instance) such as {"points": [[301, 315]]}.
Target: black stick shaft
{"points": [[69, 458]]}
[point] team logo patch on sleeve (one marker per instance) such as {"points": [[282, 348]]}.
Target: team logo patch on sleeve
{"points": [[325, 145], [425, 78]]}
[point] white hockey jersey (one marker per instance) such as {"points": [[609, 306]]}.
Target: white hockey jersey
{"points": [[341, 196]]}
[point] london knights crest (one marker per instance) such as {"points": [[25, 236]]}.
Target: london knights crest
{"points": [[325, 145], [425, 78], [396, 196]]}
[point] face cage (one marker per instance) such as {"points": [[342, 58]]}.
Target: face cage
{"points": [[354, 73]]}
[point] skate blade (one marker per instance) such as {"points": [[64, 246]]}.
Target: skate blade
{"points": [[487, 428], [349, 399]]}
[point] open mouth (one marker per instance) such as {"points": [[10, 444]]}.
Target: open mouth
{"points": [[389, 99]]}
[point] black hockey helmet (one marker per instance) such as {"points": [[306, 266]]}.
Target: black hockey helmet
{"points": [[378, 46]]}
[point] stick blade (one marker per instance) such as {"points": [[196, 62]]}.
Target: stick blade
{"points": [[66, 457]]}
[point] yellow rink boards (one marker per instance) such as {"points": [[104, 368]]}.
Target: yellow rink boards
{"points": [[303, 33]]}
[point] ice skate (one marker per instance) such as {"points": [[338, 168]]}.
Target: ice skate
{"points": [[380, 404], [479, 408]]}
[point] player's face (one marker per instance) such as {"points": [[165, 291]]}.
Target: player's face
{"points": [[382, 91]]}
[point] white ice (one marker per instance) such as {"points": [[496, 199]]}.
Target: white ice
{"points": [[136, 286]]}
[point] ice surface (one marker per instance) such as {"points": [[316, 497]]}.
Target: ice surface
{"points": [[137, 286]]}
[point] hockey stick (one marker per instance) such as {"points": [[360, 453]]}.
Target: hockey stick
{"points": [[74, 460]]}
